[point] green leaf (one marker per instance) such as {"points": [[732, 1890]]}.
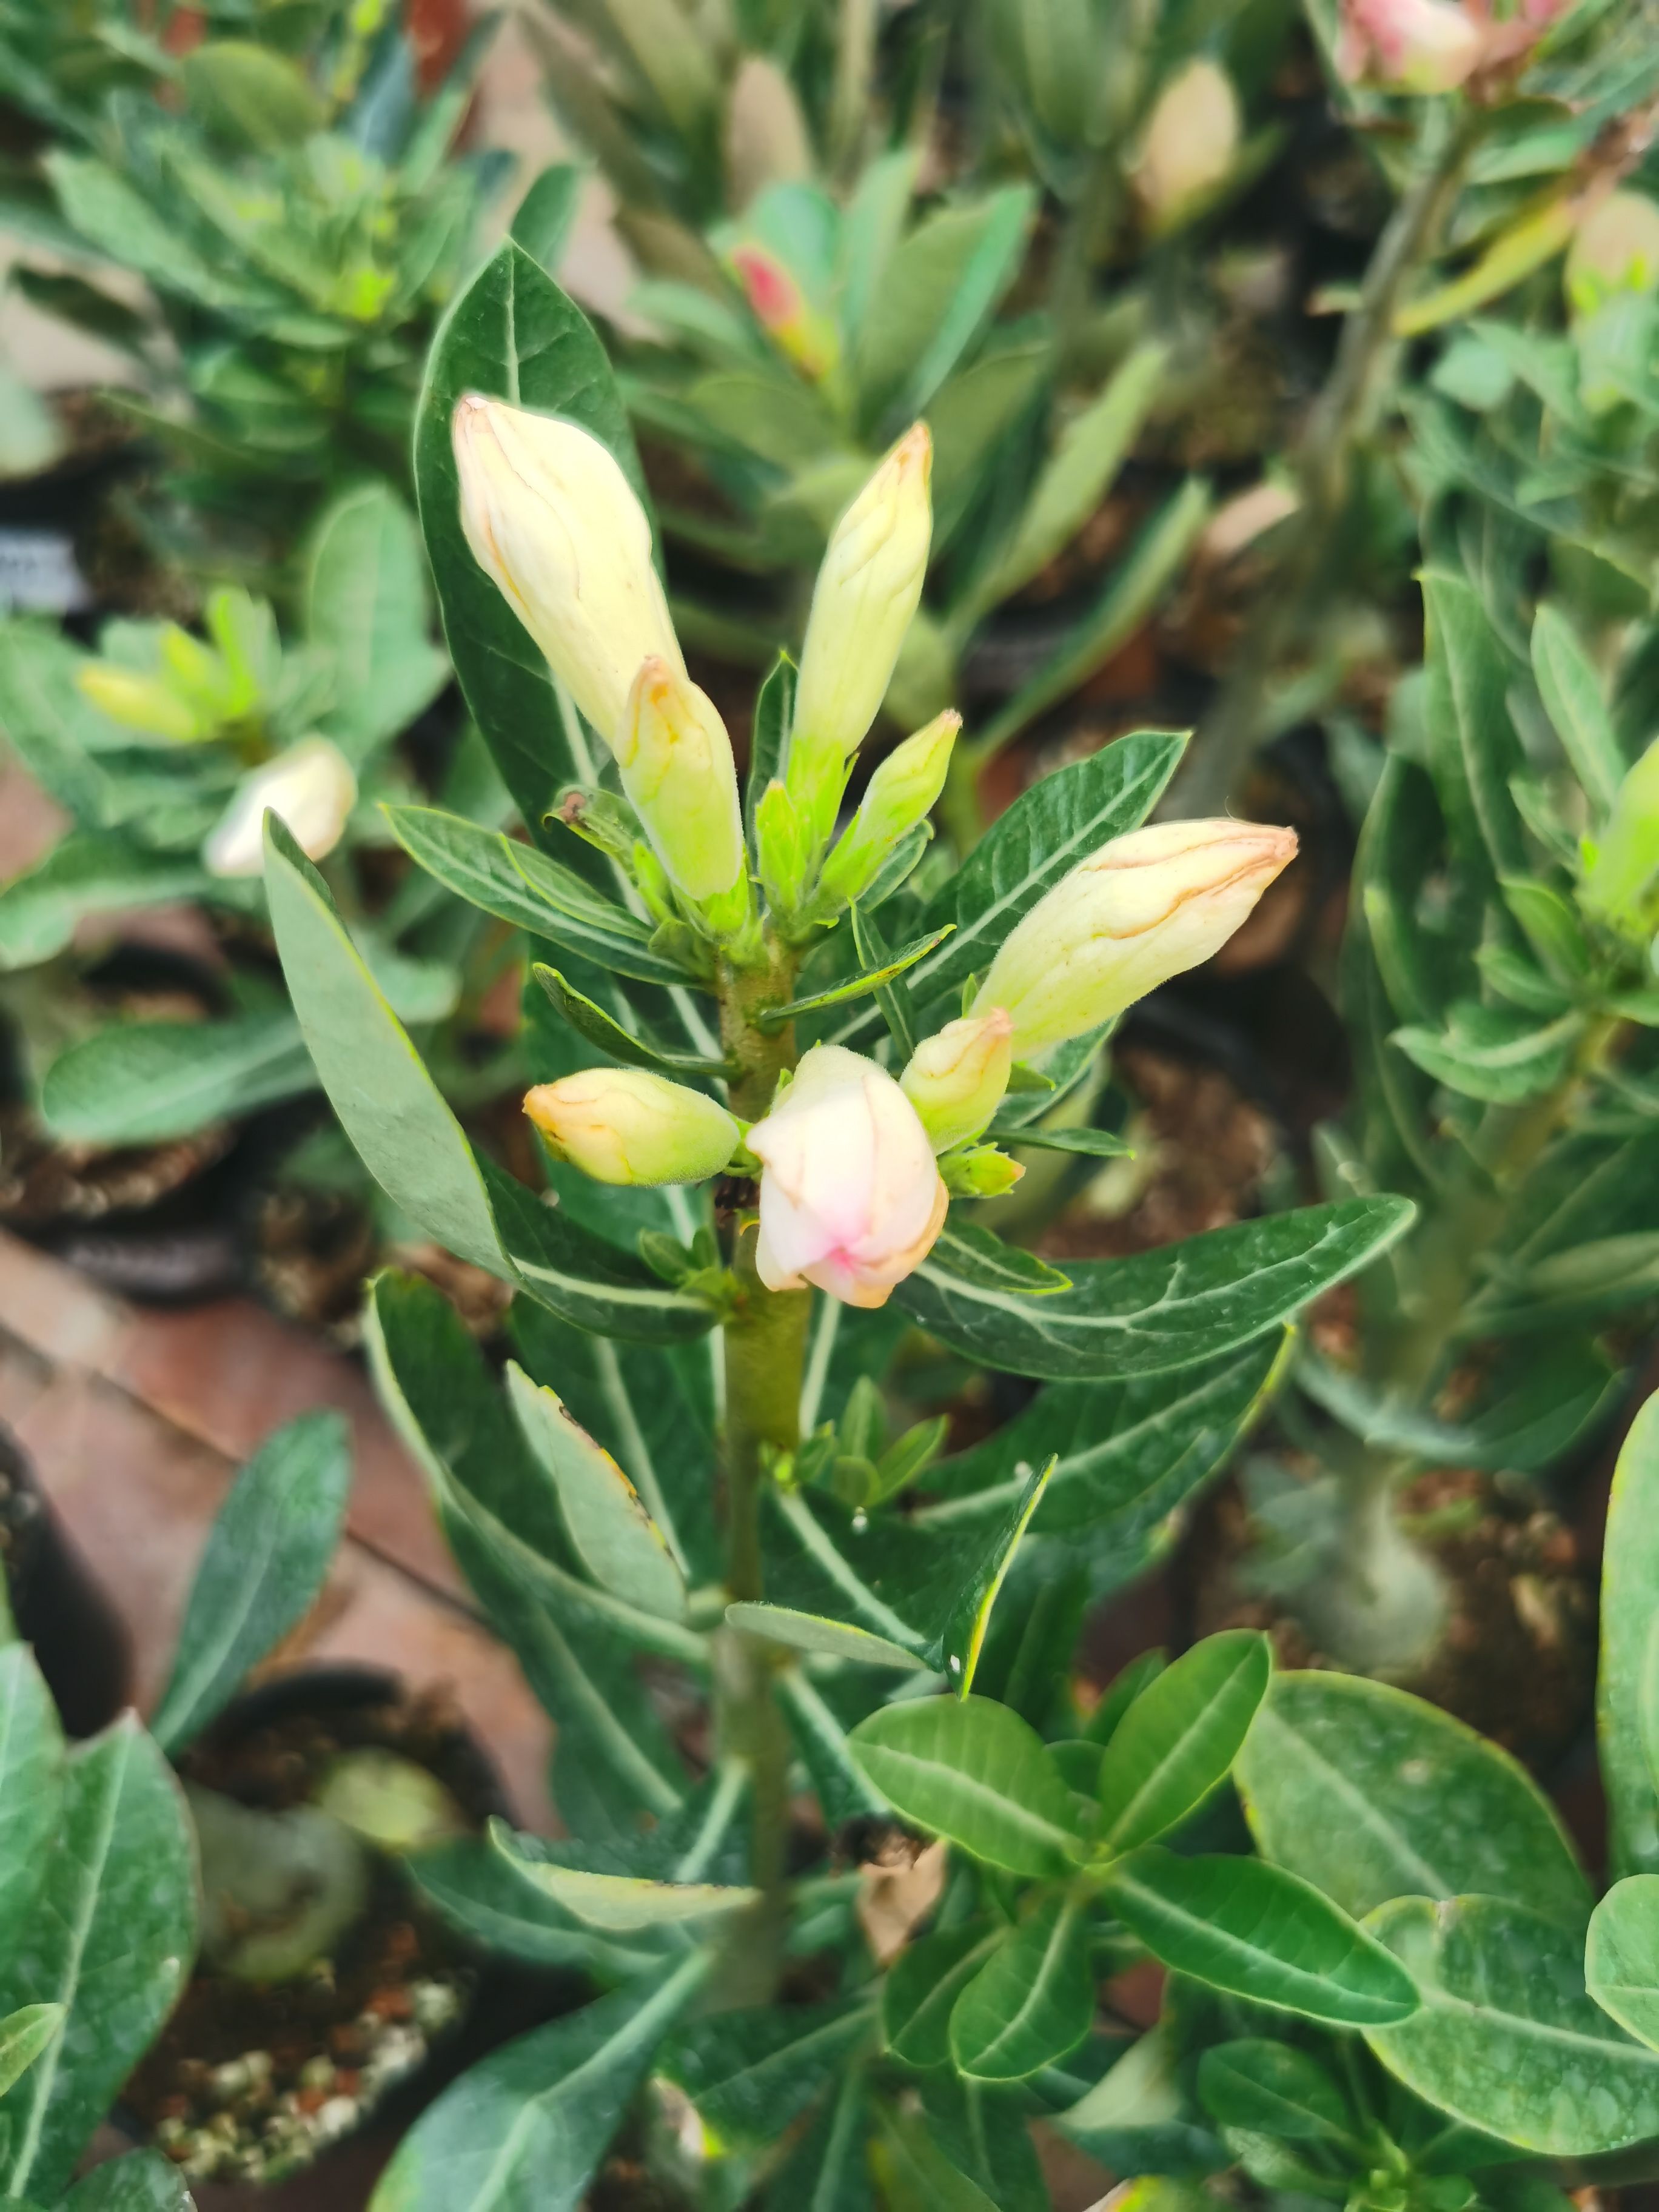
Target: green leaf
{"points": [[864, 985], [973, 1772], [1371, 1794], [1090, 1144], [922, 1989], [584, 1280], [388, 1105], [111, 1940], [1159, 1310], [769, 737], [1474, 745], [486, 1899], [1274, 2089], [267, 1553], [524, 2130], [1033, 2000], [141, 2181], [1178, 1741], [249, 95], [830, 2168], [599, 1028], [366, 605], [690, 1866], [24, 2034], [941, 284], [870, 1587], [1630, 1597], [1622, 1955], [915, 2173], [1571, 692], [518, 884], [542, 223], [1507, 2039], [86, 873], [1534, 1404], [616, 1540], [749, 2073], [140, 1083], [511, 335], [1491, 1054], [1058, 822], [31, 1788], [1242, 1926]]}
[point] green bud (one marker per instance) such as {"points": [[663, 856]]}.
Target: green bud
{"points": [[1620, 865], [655, 889], [625, 1124], [677, 770], [142, 702], [901, 793], [784, 850], [984, 1172], [956, 1080]]}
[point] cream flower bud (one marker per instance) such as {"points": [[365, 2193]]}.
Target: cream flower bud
{"points": [[557, 526], [1409, 45], [1614, 249], [867, 590], [141, 703], [626, 1125], [956, 1080], [901, 793], [677, 770], [850, 1199], [310, 788], [1144, 908], [1191, 142]]}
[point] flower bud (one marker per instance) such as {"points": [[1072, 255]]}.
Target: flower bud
{"points": [[783, 854], [1408, 46], [867, 590], [557, 526], [1622, 864], [901, 793], [677, 770], [956, 1080], [800, 333], [625, 1124], [311, 790], [850, 1198], [1614, 249], [1144, 908], [141, 703], [1191, 143], [766, 135]]}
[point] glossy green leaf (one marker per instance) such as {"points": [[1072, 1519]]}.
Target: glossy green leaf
{"points": [[24, 2035], [1630, 1596], [266, 1556], [616, 1540], [915, 2173], [1139, 2112], [775, 710], [486, 1899], [1160, 1310], [1178, 1741], [749, 2073], [85, 874], [830, 2168], [1533, 1405], [1274, 2089], [111, 1939], [511, 335], [984, 2129], [1507, 2039], [868, 983], [871, 1586], [692, 1865], [510, 880], [1032, 2001], [973, 1772], [922, 1988], [1242, 1926], [31, 1788], [1622, 1955], [584, 1279], [1489, 1053], [367, 606], [525, 2129], [142, 1083], [1058, 822], [388, 1104], [541, 224], [1475, 750], [1371, 1794], [941, 284], [1571, 692], [599, 1028], [141, 2181]]}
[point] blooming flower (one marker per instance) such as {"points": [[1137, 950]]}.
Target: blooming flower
{"points": [[850, 1199], [310, 788]]}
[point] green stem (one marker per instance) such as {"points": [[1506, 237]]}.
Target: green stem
{"points": [[1339, 419], [765, 1352]]}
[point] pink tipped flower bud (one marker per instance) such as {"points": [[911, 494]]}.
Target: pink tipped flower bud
{"points": [[557, 526], [1408, 45], [850, 1199], [780, 307], [677, 769], [1191, 143], [311, 791], [1142, 908], [625, 1124], [867, 592], [956, 1080]]}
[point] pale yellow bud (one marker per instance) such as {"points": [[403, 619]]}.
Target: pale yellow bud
{"points": [[557, 526], [1614, 249], [1144, 908], [310, 788], [1191, 142], [901, 793], [140, 702], [867, 590], [624, 1124], [766, 136], [956, 1080], [677, 770]]}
